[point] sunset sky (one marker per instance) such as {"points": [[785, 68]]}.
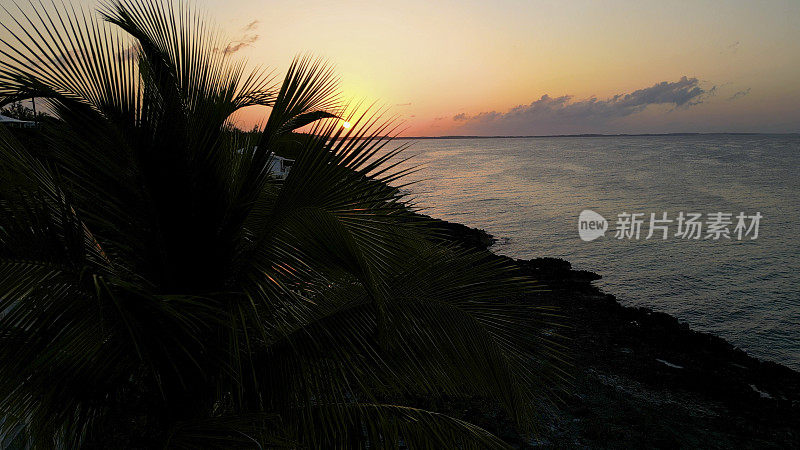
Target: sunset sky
{"points": [[526, 67], [543, 67]]}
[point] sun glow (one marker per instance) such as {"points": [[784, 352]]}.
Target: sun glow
{"points": [[346, 125]]}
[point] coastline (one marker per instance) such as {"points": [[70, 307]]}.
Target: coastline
{"points": [[594, 135], [643, 378]]}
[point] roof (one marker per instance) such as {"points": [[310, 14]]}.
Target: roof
{"points": [[6, 119]]}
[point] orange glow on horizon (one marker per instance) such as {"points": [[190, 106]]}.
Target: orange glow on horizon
{"points": [[430, 62]]}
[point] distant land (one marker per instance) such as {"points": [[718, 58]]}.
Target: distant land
{"points": [[594, 135]]}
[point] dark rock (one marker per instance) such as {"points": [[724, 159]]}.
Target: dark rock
{"points": [[458, 233], [627, 390]]}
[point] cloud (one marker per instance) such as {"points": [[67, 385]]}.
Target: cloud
{"points": [[251, 26], [128, 53], [564, 114], [739, 94], [245, 41], [66, 57], [235, 46], [732, 48]]}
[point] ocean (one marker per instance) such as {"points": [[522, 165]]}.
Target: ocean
{"points": [[529, 193]]}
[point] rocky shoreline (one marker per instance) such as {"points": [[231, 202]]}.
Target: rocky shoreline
{"points": [[644, 379]]}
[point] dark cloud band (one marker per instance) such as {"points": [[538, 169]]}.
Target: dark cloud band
{"points": [[547, 111]]}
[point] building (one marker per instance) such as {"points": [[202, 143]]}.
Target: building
{"points": [[16, 123]]}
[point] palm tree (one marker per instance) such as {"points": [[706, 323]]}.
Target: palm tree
{"points": [[158, 288]]}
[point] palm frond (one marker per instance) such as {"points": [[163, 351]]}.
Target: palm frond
{"points": [[369, 425], [159, 287]]}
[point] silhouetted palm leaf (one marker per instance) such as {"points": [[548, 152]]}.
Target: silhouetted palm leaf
{"points": [[158, 287]]}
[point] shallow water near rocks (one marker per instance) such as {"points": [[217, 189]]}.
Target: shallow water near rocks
{"points": [[529, 192]]}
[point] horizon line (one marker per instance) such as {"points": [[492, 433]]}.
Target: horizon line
{"points": [[596, 135]]}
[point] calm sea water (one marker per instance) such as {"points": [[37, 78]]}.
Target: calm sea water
{"points": [[529, 192]]}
